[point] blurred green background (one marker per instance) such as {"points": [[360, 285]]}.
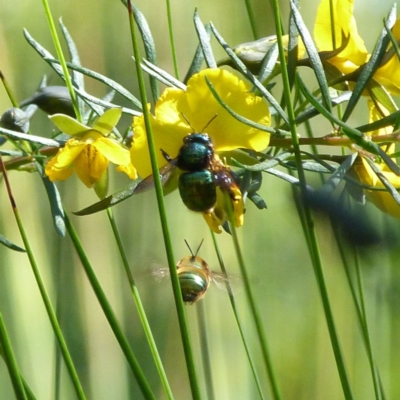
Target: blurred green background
{"points": [[273, 244]]}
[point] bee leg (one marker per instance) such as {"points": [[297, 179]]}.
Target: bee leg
{"points": [[166, 155]]}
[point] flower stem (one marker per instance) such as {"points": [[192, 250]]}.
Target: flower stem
{"points": [[139, 306], [60, 56], [109, 313], [236, 314], [8, 356], [187, 347], [307, 217], [171, 39], [46, 300]]}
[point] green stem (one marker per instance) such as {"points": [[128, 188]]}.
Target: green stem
{"points": [[184, 329], [171, 39], [309, 223], [46, 300], [252, 19], [365, 331], [139, 307], [11, 362], [205, 350], [109, 313], [60, 56], [237, 318], [251, 299]]}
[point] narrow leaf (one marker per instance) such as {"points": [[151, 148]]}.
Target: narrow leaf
{"points": [[237, 116], [10, 245], [109, 201], [331, 184], [204, 39], [162, 75], [244, 70], [371, 66], [313, 55], [149, 47], [56, 207], [29, 138], [198, 58]]}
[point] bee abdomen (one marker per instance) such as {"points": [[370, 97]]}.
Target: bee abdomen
{"points": [[193, 286], [198, 190]]}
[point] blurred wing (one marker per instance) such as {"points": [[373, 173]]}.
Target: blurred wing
{"points": [[165, 174], [221, 280], [160, 273]]}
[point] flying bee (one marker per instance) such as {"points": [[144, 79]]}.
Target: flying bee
{"points": [[195, 276], [202, 173]]}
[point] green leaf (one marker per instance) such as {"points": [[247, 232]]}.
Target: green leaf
{"points": [[313, 55], [56, 207], [198, 58], [331, 184], [355, 135], [235, 115], [268, 64], [69, 125], [77, 78], [10, 245], [162, 75], [29, 138], [391, 189], [107, 122], [149, 47], [90, 100], [368, 70], [380, 95], [313, 112], [109, 201], [204, 39], [265, 165], [382, 123], [243, 69]]}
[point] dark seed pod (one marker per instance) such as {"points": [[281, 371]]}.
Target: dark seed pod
{"points": [[52, 100], [15, 119]]}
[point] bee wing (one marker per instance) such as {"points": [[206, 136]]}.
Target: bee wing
{"points": [[160, 273], [221, 280], [165, 174]]}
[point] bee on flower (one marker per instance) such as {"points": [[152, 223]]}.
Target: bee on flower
{"points": [[177, 125]]}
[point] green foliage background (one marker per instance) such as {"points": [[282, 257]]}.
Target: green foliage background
{"points": [[272, 240]]}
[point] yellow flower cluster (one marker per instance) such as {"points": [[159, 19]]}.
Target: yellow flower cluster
{"points": [[178, 113]]}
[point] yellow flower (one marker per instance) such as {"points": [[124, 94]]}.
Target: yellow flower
{"points": [[354, 53], [382, 199], [179, 113], [89, 152]]}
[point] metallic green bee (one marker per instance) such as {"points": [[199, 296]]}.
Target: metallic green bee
{"points": [[202, 173], [195, 276]]}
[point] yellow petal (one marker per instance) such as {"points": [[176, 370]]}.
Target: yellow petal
{"points": [[213, 221], [90, 165], [112, 150], [355, 52], [381, 199], [57, 174]]}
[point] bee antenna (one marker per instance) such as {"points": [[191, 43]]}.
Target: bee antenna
{"points": [[198, 249], [208, 123], [191, 127], [191, 252]]}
